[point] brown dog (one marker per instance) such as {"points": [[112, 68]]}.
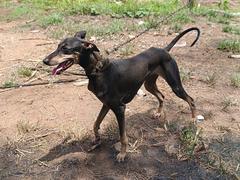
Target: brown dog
{"points": [[115, 83]]}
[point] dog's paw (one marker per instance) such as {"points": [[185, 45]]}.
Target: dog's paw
{"points": [[121, 157]]}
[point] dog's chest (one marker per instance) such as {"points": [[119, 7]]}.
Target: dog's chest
{"points": [[97, 85]]}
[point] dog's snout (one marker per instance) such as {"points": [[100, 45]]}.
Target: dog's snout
{"points": [[46, 61]]}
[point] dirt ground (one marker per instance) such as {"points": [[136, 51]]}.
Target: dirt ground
{"points": [[58, 118]]}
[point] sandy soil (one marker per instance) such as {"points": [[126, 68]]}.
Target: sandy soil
{"points": [[58, 116]]}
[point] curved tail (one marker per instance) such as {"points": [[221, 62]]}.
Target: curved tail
{"points": [[175, 40]]}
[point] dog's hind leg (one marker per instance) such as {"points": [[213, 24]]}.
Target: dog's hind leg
{"points": [[96, 127], [172, 77], [150, 86], [181, 93]]}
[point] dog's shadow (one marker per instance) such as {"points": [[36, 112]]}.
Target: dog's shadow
{"points": [[139, 127], [135, 124], [65, 147], [144, 162]]}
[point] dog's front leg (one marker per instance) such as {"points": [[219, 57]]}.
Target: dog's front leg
{"points": [[119, 111], [96, 127]]}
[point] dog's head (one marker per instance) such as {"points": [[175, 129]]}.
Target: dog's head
{"points": [[70, 51]]}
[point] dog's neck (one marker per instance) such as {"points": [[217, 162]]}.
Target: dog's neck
{"points": [[93, 63]]}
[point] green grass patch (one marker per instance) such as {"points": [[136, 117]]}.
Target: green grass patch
{"points": [[211, 79], [99, 29], [231, 30], [213, 16], [176, 27], [13, 11], [219, 18], [5, 4], [229, 45], [52, 19], [189, 137], [182, 17], [24, 72], [9, 83], [19, 12], [52, 12], [129, 8]]}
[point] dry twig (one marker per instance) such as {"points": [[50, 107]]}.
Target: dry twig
{"points": [[38, 84], [44, 44], [41, 136]]}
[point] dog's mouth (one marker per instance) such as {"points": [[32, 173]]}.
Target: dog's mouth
{"points": [[62, 66]]}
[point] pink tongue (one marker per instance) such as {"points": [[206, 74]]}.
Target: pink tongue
{"points": [[57, 70], [62, 66]]}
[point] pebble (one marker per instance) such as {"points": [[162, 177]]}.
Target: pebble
{"points": [[35, 31], [200, 118], [131, 36], [235, 56], [156, 33], [181, 45], [140, 23]]}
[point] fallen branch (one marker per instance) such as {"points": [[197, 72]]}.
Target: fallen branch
{"points": [[65, 72], [41, 136], [30, 80], [30, 21], [43, 44], [38, 84], [30, 39], [26, 60]]}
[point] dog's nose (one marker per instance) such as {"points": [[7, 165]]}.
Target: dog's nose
{"points": [[46, 61]]}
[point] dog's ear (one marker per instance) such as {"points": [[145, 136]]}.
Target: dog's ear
{"points": [[81, 34], [91, 46]]}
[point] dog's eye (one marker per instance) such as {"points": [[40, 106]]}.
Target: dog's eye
{"points": [[65, 48]]}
